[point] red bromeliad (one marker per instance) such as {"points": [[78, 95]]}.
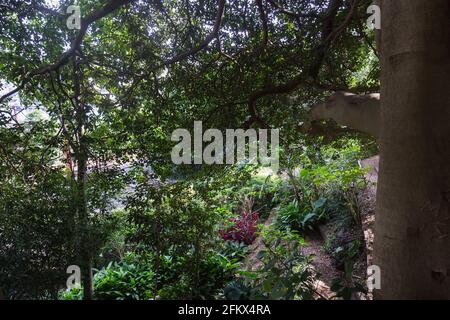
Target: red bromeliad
{"points": [[244, 228]]}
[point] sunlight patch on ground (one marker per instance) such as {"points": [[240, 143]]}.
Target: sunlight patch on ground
{"points": [[265, 172]]}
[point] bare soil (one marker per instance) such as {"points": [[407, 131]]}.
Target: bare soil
{"points": [[323, 264]]}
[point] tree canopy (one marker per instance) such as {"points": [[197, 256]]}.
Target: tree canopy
{"points": [[85, 112]]}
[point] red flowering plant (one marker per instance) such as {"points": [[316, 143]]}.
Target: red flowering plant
{"points": [[243, 228]]}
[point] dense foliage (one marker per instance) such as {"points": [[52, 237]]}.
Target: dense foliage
{"points": [[86, 118]]}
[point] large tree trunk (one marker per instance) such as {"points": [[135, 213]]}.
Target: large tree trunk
{"points": [[412, 233]]}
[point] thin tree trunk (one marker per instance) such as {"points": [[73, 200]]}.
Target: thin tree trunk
{"points": [[85, 251], [83, 220], [412, 233]]}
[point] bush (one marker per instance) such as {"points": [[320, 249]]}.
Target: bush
{"points": [[135, 278], [325, 186], [243, 228], [215, 271], [263, 189], [129, 279], [125, 281], [36, 236], [234, 250], [240, 289], [303, 218], [175, 280], [116, 228], [286, 273], [347, 285], [339, 177]]}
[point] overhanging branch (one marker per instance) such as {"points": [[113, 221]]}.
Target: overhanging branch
{"points": [[76, 43], [205, 42], [329, 35]]}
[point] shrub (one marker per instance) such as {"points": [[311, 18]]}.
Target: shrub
{"points": [[239, 289], [286, 272], [129, 279], [347, 285], [36, 236], [116, 228], [135, 278], [263, 189], [234, 250], [340, 177], [124, 280], [325, 186], [243, 228], [216, 270], [176, 282], [294, 217]]}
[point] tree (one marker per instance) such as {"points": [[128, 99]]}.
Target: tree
{"points": [[413, 201], [118, 87], [359, 112], [65, 97]]}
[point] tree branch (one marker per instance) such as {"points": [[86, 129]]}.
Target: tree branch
{"points": [[292, 14], [111, 6], [214, 33], [329, 35], [205, 42], [263, 18]]}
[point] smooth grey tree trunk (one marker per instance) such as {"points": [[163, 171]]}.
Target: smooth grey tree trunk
{"points": [[412, 232]]}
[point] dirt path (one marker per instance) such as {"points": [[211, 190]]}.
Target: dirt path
{"points": [[322, 263], [252, 262], [314, 242]]}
